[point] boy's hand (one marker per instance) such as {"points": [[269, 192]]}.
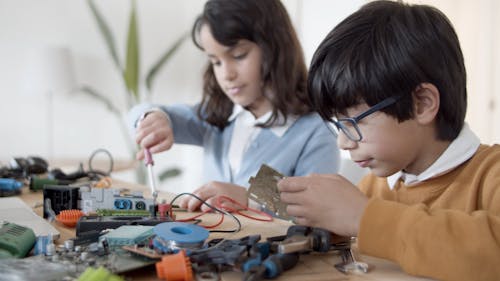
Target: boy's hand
{"points": [[210, 191], [326, 201], [154, 132]]}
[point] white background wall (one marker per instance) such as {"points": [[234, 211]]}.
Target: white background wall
{"points": [[80, 124]]}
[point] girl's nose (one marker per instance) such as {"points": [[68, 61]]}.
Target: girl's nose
{"points": [[229, 72]]}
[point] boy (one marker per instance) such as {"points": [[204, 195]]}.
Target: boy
{"points": [[391, 79]]}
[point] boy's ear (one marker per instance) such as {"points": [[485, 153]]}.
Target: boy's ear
{"points": [[426, 103]]}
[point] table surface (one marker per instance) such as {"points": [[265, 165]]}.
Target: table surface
{"points": [[316, 266]]}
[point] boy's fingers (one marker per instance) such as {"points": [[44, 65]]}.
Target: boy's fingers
{"points": [[291, 197], [295, 210], [293, 184]]}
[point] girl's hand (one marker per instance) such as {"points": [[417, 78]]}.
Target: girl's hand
{"points": [[327, 201], [154, 132], [210, 191]]}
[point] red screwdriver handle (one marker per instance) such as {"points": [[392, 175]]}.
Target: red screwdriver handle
{"points": [[148, 159]]}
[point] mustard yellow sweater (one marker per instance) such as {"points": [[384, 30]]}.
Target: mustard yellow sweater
{"points": [[447, 227]]}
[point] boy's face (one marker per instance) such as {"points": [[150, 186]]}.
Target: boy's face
{"points": [[387, 147]]}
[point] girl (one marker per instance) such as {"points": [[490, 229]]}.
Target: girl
{"points": [[254, 108]]}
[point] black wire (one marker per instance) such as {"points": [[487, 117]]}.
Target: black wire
{"points": [[111, 162], [224, 212]]}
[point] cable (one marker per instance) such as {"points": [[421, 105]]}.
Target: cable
{"points": [[111, 162], [222, 198], [223, 212]]}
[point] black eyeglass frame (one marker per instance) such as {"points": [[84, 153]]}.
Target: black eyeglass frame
{"points": [[354, 120]]}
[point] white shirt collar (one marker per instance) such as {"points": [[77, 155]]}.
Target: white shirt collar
{"points": [[278, 130], [460, 150]]}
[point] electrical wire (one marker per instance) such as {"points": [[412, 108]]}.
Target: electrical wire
{"points": [[221, 211], [111, 162], [220, 202]]}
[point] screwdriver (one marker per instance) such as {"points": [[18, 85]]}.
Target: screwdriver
{"points": [[148, 160], [272, 267]]}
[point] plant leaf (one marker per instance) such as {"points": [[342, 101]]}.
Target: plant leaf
{"points": [[163, 59], [106, 34], [170, 173], [131, 72], [94, 93]]}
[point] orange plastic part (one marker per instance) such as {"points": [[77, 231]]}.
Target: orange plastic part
{"points": [[104, 183], [69, 217], [175, 267]]}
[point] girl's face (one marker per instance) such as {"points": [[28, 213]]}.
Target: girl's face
{"points": [[238, 71]]}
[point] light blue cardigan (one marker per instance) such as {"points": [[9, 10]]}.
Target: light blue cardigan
{"points": [[306, 147]]}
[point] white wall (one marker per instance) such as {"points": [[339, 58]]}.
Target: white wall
{"points": [[80, 124]]}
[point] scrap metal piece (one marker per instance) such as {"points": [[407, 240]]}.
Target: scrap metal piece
{"points": [[264, 190], [349, 263]]}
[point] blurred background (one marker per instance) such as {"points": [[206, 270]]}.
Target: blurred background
{"points": [[51, 48]]}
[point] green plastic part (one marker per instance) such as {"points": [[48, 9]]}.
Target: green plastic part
{"points": [[99, 274], [15, 240]]}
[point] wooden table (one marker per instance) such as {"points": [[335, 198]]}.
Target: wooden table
{"points": [[311, 267]]}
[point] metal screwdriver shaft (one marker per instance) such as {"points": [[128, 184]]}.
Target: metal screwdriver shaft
{"points": [[148, 160]]}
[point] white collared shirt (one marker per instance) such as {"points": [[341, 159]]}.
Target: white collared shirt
{"points": [[245, 132], [460, 150]]}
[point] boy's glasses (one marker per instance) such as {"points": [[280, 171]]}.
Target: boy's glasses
{"points": [[349, 126]]}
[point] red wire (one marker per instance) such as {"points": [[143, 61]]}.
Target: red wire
{"points": [[201, 214], [220, 200], [218, 204]]}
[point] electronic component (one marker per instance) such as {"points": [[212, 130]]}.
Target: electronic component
{"points": [[96, 223], [61, 197], [77, 258], [128, 235], [115, 213], [15, 240], [112, 198]]}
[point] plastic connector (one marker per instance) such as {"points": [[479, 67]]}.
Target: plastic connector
{"points": [[69, 217], [175, 267]]}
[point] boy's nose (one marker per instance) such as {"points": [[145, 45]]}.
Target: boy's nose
{"points": [[345, 143]]}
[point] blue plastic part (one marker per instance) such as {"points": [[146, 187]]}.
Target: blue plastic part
{"points": [[181, 233], [41, 245], [272, 269], [262, 252], [264, 249], [10, 184], [250, 263], [277, 263], [123, 204]]}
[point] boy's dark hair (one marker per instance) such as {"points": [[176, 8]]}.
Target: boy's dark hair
{"points": [[388, 49], [284, 73]]}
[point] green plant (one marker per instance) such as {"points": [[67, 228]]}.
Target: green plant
{"points": [[129, 71]]}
